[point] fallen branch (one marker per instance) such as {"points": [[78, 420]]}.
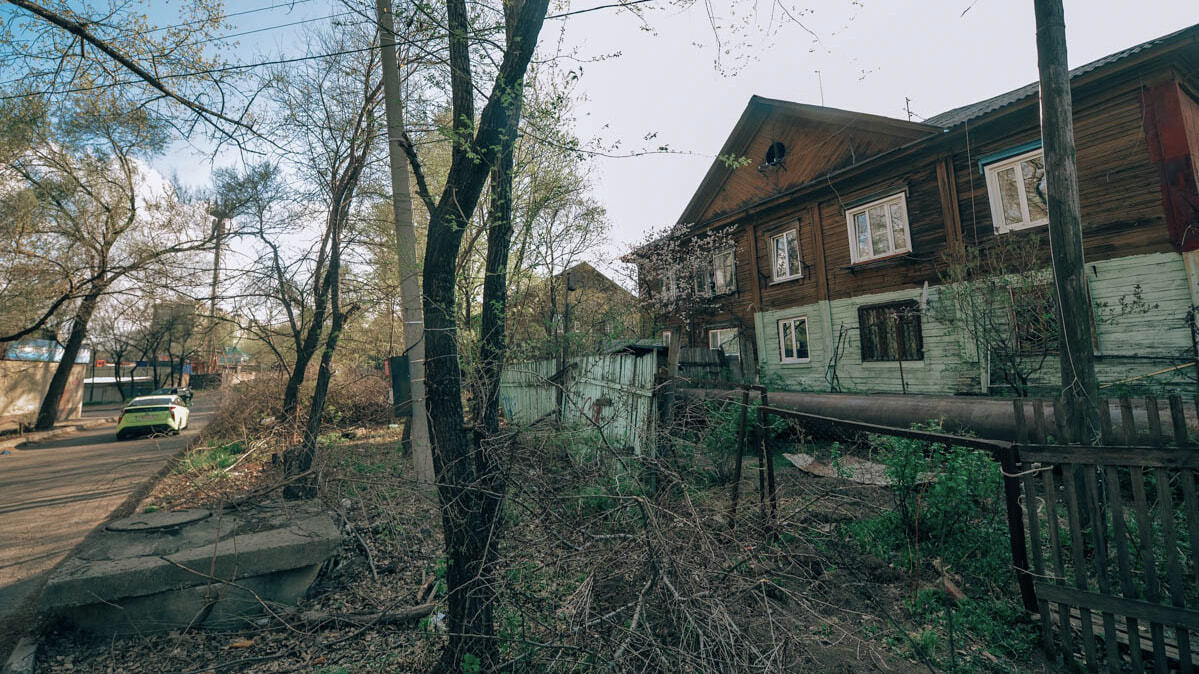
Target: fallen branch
{"points": [[395, 617]]}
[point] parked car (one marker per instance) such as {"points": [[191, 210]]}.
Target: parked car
{"points": [[181, 391], [153, 414]]}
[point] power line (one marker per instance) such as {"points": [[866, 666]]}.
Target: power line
{"points": [[221, 38], [284, 61], [185, 24]]}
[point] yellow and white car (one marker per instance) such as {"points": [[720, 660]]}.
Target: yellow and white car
{"points": [[153, 414]]}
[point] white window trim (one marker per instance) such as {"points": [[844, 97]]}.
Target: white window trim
{"points": [[670, 285], [782, 351], [902, 198], [737, 335], [774, 260], [666, 337], [731, 251], [994, 196]]}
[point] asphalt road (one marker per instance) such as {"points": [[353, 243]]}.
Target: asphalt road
{"points": [[54, 493]]}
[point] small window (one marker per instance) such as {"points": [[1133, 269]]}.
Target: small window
{"points": [[666, 337], [716, 276], [891, 332], [724, 271], [793, 340], [879, 228], [1017, 191], [727, 340], [702, 279], [670, 285], [785, 249]]}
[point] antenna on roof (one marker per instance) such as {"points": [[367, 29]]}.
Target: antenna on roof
{"points": [[907, 105], [820, 84]]}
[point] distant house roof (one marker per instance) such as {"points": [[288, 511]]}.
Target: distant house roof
{"points": [[589, 277], [966, 113]]}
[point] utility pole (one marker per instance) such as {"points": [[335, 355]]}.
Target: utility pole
{"points": [[218, 228], [1079, 384], [410, 290]]}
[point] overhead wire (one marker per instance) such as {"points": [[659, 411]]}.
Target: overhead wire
{"points": [[284, 61]]}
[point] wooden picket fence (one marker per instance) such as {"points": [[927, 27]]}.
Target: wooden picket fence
{"points": [[1111, 523]]}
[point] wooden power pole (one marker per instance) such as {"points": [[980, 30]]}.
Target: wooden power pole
{"points": [[410, 290], [1079, 384]]}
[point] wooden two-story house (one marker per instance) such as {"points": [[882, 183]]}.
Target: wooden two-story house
{"points": [[843, 226]]}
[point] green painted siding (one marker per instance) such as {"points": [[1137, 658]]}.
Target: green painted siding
{"points": [[1136, 336]]}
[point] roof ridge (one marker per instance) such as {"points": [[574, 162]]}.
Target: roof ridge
{"points": [[964, 113]]}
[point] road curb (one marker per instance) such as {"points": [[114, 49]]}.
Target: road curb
{"points": [[41, 436]]}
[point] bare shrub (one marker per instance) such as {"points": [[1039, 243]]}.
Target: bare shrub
{"points": [[358, 399], [252, 408]]}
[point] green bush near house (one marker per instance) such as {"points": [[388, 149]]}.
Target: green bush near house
{"points": [[719, 438], [949, 507]]}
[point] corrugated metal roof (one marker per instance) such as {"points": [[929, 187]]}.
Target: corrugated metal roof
{"points": [[968, 112]]}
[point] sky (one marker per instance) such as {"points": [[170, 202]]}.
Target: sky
{"points": [[666, 88]]}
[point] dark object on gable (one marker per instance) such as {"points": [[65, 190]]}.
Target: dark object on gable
{"points": [[775, 154]]}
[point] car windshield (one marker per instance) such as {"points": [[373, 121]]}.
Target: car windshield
{"points": [[151, 401]]}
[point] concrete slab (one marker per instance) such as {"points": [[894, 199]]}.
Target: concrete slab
{"points": [[171, 570], [23, 658]]}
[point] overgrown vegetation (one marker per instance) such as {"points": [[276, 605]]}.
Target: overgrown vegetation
{"points": [[948, 520]]}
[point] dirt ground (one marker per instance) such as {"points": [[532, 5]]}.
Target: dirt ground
{"points": [[839, 610]]}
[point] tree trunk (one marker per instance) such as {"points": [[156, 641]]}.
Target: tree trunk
{"points": [[495, 279], [298, 461], [48, 414], [308, 347], [1065, 220], [469, 486], [117, 378], [405, 231]]}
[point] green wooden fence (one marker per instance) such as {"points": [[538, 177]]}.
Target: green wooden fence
{"points": [[613, 395]]}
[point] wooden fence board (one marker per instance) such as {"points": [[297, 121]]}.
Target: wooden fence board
{"points": [[613, 395], [1118, 550]]}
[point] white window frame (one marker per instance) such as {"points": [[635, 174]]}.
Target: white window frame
{"points": [[995, 197], [670, 285], [714, 332], [731, 251], [774, 259], [666, 337], [902, 199], [794, 346]]}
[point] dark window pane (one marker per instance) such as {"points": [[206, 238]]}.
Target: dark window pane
{"points": [[889, 332]]}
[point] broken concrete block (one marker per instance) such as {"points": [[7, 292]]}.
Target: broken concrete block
{"points": [[172, 570]]}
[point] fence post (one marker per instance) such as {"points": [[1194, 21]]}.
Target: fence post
{"points": [[770, 484], [740, 459], [762, 460], [1009, 460]]}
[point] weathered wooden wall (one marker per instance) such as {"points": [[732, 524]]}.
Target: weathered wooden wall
{"points": [[610, 395]]}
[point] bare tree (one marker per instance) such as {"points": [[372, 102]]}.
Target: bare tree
{"points": [[96, 219]]}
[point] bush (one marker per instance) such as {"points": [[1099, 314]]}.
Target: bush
{"points": [[354, 399], [719, 439], [357, 399], [948, 504], [214, 457]]}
